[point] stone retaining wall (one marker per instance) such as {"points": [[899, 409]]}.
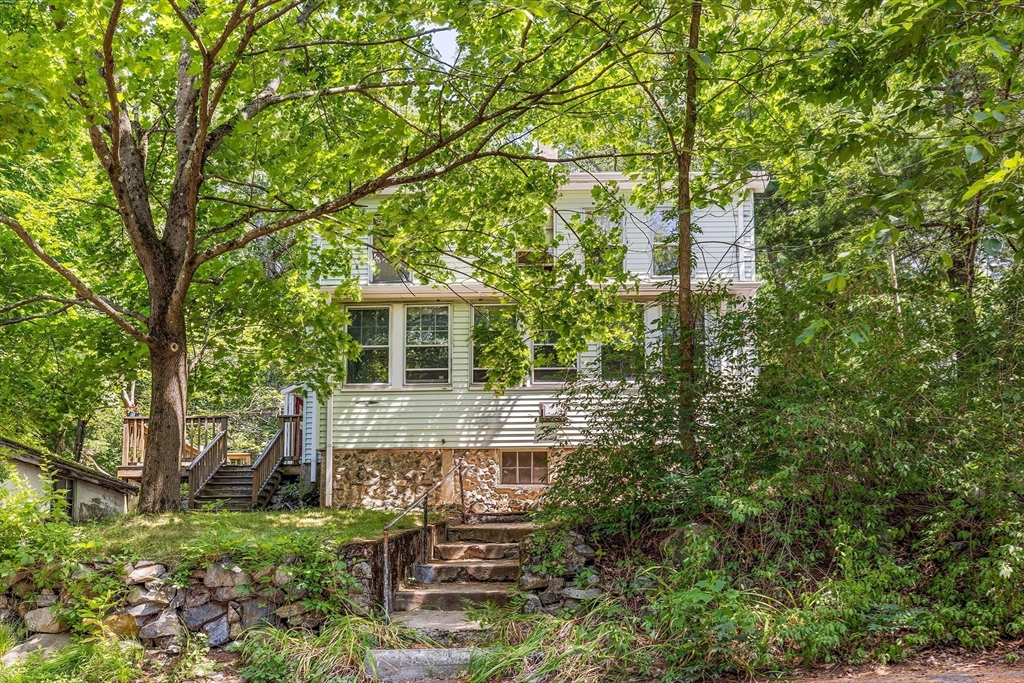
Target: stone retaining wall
{"points": [[221, 600], [392, 478]]}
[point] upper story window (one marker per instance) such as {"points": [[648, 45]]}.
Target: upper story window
{"points": [[548, 364], [665, 243], [427, 345], [542, 258], [488, 321], [383, 271], [371, 327], [623, 359]]}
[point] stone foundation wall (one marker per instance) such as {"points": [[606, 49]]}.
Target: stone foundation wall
{"points": [[393, 478]]}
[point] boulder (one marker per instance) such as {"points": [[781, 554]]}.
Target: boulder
{"points": [[44, 643], [580, 593], [165, 625], [256, 612], [144, 609], [195, 617], [163, 595], [142, 564], [529, 582], [221, 575], [197, 595], [44, 620], [46, 598], [291, 611], [146, 573], [218, 631], [122, 625], [283, 576]]}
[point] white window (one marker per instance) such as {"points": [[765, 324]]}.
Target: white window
{"points": [[548, 364], [486, 323], [665, 249], [383, 271], [371, 327], [623, 359], [427, 343]]}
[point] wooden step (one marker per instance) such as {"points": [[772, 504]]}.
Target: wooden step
{"points": [[451, 597], [467, 570]]}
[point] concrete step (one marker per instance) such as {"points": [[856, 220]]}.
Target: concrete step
{"points": [[417, 665], [467, 570], [451, 597], [494, 518], [504, 532], [477, 551], [443, 627]]}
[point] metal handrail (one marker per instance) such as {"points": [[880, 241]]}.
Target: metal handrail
{"points": [[424, 497]]}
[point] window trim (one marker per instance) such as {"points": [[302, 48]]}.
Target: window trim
{"points": [[518, 451], [348, 382], [406, 382], [575, 367]]}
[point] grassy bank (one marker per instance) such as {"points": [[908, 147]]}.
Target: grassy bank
{"points": [[177, 536]]}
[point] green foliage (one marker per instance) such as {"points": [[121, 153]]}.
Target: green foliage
{"points": [[337, 653], [102, 660], [34, 528], [11, 633]]}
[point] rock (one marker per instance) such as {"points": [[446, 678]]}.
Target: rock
{"points": [[295, 592], [234, 631], [532, 604], [142, 564], [580, 593], [197, 616], [144, 574], [283, 576], [255, 612], [82, 572], [234, 613], [44, 643], [218, 631], [197, 595], [46, 599], [229, 593], [121, 625], [219, 575], [44, 620], [550, 595], [166, 625], [144, 609], [291, 611], [162, 595], [529, 582], [362, 570]]}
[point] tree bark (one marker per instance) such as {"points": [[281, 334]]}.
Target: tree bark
{"points": [[684, 206], [165, 442], [80, 438]]}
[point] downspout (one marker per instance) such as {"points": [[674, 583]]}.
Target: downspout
{"points": [[329, 454]]}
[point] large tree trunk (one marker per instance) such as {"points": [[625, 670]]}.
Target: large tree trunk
{"points": [[684, 206], [165, 443]]}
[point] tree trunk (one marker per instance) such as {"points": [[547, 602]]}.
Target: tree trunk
{"points": [[165, 443], [684, 303], [80, 438]]}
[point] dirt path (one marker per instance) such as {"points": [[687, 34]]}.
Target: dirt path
{"points": [[1004, 664]]}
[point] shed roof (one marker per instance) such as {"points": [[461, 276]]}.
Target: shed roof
{"points": [[65, 468]]}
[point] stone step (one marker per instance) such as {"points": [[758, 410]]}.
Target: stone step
{"points": [[451, 597], [476, 551], [442, 627], [494, 518], [505, 532], [417, 665], [467, 570]]}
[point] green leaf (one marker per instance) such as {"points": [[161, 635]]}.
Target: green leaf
{"points": [[973, 154]]}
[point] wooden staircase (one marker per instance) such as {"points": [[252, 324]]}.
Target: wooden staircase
{"points": [[478, 563], [230, 488]]}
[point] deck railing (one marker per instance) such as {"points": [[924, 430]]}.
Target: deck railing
{"points": [[206, 464], [199, 432], [284, 448]]}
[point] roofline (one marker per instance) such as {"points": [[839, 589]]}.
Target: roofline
{"points": [[33, 456]]}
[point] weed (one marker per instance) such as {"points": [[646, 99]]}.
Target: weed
{"points": [[103, 660]]}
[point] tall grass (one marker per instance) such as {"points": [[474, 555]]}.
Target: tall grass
{"points": [[11, 633], [271, 655], [105, 660]]}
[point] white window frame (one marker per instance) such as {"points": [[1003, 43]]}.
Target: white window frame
{"points": [[549, 382], [385, 307], [405, 348]]}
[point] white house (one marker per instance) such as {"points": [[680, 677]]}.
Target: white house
{"points": [[414, 402]]}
